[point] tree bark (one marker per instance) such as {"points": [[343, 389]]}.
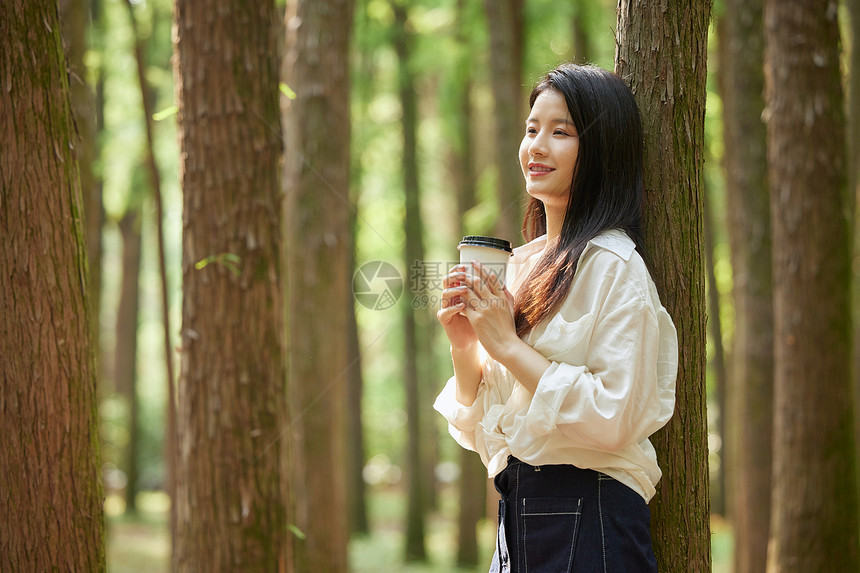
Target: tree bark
{"points": [[317, 185], [506, 22], [51, 498], [413, 336], [75, 17], [661, 52], [750, 397], [814, 523], [231, 478]]}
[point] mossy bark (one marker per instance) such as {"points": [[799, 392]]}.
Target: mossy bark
{"points": [[51, 496], [661, 52]]}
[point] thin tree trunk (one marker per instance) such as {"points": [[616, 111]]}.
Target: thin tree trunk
{"points": [[750, 397], [414, 253], [661, 52], [506, 21], [356, 486], [231, 476], [718, 498], [582, 48], [853, 134], [814, 522], [473, 474], [318, 242], [147, 92], [52, 498], [125, 361]]}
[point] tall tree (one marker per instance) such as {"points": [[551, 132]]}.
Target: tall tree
{"points": [[151, 166], [715, 327], [318, 245], [506, 24], [814, 522], [356, 486], [231, 496], [414, 338], [750, 398], [125, 343], [583, 51], [853, 137], [661, 52], [51, 499], [458, 113]]}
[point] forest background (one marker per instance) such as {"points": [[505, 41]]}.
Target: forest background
{"points": [[427, 165]]}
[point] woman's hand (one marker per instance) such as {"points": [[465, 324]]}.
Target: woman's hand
{"points": [[489, 307], [460, 333]]}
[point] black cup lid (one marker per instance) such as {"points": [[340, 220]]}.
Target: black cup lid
{"points": [[492, 242]]}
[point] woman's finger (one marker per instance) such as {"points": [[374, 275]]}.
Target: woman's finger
{"points": [[454, 277], [453, 295], [489, 278], [445, 314]]}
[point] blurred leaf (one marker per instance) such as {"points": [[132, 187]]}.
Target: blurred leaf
{"points": [[296, 531], [287, 91], [227, 260], [165, 113]]}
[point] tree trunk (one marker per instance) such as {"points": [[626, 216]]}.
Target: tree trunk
{"points": [[413, 337], [318, 240], [750, 397], [718, 363], [147, 94], [356, 486], [473, 474], [814, 524], [853, 134], [506, 21], [582, 43], [230, 497], [51, 499], [661, 51], [125, 361]]}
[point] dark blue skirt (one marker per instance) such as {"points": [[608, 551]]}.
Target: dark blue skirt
{"points": [[560, 518]]}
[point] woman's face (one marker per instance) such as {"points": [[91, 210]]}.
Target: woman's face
{"points": [[549, 149]]}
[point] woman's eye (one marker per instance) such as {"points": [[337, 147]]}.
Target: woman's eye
{"points": [[531, 130], [560, 132]]}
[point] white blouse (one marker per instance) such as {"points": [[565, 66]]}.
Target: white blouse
{"points": [[614, 354]]}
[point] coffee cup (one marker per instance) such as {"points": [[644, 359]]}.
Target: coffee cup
{"points": [[492, 253]]}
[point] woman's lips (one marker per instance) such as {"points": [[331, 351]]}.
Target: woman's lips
{"points": [[538, 169]]}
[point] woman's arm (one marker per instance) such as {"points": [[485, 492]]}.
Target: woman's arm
{"points": [[464, 341]]}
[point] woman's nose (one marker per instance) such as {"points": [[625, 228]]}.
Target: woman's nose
{"points": [[537, 145]]}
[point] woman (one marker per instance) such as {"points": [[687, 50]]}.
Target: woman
{"points": [[560, 380]]}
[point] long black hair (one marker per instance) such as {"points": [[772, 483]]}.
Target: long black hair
{"points": [[605, 193]]}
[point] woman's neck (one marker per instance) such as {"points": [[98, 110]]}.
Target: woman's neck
{"points": [[554, 221]]}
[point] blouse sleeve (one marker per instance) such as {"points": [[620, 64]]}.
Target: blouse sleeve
{"points": [[462, 420], [613, 385]]}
